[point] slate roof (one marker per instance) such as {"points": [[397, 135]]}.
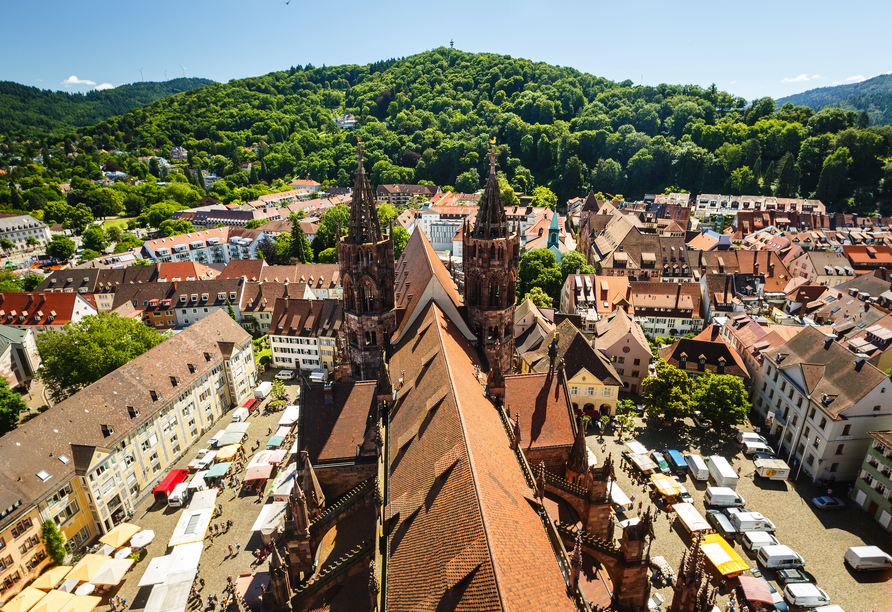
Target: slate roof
{"points": [[39, 443], [827, 368], [332, 431], [456, 489], [545, 416]]}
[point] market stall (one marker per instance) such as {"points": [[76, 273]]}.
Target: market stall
{"points": [[218, 470], [228, 452], [644, 463], [275, 442], [722, 556], [24, 600], [283, 431], [119, 536], [192, 526], [51, 577], [87, 567], [290, 416], [112, 572], [666, 486], [184, 558], [258, 473], [692, 520], [271, 517]]}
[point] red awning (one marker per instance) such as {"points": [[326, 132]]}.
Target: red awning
{"points": [[755, 589]]}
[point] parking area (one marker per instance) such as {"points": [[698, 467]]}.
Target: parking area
{"points": [[821, 537], [240, 507]]}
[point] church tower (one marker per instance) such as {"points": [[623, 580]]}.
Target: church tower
{"points": [[490, 254], [365, 257]]}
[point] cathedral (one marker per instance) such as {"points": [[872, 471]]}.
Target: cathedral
{"points": [[432, 476]]}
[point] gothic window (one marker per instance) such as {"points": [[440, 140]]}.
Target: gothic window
{"points": [[492, 251], [507, 332], [348, 294], [367, 296], [492, 332], [494, 291], [371, 338], [512, 289]]}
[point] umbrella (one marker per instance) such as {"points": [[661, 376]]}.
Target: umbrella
{"points": [[83, 604], [112, 572], [105, 549], [51, 577], [55, 601], [124, 553], [227, 453], [143, 538], [87, 567], [25, 600], [68, 586], [85, 589], [118, 536]]}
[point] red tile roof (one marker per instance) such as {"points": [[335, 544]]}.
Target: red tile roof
{"points": [[466, 535], [332, 431], [545, 419], [42, 308]]}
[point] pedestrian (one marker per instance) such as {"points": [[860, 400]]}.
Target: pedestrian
{"points": [[200, 601], [640, 504], [123, 602], [230, 549], [238, 547], [201, 581]]}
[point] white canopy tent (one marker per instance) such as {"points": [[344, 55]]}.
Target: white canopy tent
{"points": [[143, 538], [637, 448], [271, 517], [184, 558], [172, 595], [618, 496], [192, 526], [112, 572], [290, 416], [202, 500]]}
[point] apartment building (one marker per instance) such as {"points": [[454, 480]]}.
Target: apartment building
{"points": [[404, 194], [43, 311], [18, 228], [18, 355], [303, 333], [823, 401], [873, 488], [323, 280], [213, 246], [182, 303], [84, 463], [667, 309]]}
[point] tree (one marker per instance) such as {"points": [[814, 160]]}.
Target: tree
{"points": [[328, 256], [743, 181], [53, 541], [832, 175], [468, 182], [539, 297], [573, 261], [544, 197], [31, 241], [176, 227], [509, 198], [267, 250], [114, 233], [156, 213], [134, 205], [534, 271], [386, 213], [11, 406], [6, 244], [721, 398], [89, 254], [300, 246], [85, 351], [669, 394], [60, 247], [31, 281], [230, 310], [254, 223], [788, 182], [95, 239], [104, 202], [400, 240]]}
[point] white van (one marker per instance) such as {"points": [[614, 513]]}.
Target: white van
{"points": [[804, 595], [697, 467], [240, 415], [752, 521], [778, 556], [755, 540], [752, 446], [864, 558], [179, 497], [748, 436], [197, 483], [723, 497]]}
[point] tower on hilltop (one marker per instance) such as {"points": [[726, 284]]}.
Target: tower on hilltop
{"points": [[489, 258], [365, 256]]}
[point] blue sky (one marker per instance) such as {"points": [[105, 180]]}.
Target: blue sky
{"points": [[751, 49]]}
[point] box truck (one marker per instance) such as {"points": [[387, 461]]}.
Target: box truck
{"points": [[697, 467], [722, 472], [772, 469]]}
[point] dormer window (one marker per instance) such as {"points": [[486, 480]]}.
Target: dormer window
{"points": [[191, 368], [194, 297], [232, 296], [204, 297], [721, 368], [221, 296], [207, 356], [133, 412], [154, 395], [174, 381], [683, 361], [107, 430], [183, 298]]}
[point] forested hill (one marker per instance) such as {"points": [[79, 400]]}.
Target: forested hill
{"points": [[873, 96], [29, 111], [429, 117]]}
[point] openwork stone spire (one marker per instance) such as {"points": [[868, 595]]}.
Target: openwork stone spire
{"points": [[491, 219], [363, 226]]}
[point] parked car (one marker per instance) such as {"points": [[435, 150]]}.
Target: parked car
{"points": [[730, 512], [755, 456], [660, 461], [825, 502], [792, 576], [721, 524], [286, 375], [684, 495], [700, 421]]}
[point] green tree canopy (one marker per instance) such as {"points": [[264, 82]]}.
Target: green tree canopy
{"points": [[539, 297], [400, 240], [95, 239], [89, 349], [721, 398], [11, 406], [176, 227], [573, 261], [544, 197], [669, 394], [53, 541], [328, 256], [60, 247]]}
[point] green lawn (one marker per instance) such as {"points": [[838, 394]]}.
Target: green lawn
{"points": [[122, 223]]}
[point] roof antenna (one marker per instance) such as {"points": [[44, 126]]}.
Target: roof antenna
{"points": [[141, 77], [184, 71], [451, 44]]}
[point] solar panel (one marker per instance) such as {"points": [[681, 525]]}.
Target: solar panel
{"points": [[192, 525]]}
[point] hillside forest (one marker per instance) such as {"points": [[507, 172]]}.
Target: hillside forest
{"points": [[429, 118]]}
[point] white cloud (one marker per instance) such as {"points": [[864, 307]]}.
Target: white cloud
{"points": [[801, 78], [102, 86], [852, 79], [817, 76], [733, 82], [73, 80]]}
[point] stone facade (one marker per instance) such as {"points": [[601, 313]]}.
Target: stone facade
{"points": [[366, 259], [490, 256]]}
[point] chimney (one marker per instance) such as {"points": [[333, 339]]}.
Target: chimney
{"points": [[677, 296], [727, 282], [327, 395], [860, 358], [174, 285], [828, 340]]}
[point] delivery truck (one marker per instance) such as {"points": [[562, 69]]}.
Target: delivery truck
{"points": [[263, 390], [166, 487], [772, 469], [721, 471]]}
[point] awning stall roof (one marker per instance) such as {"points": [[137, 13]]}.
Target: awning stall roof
{"points": [[183, 558], [618, 496], [241, 427], [50, 578], [24, 600], [290, 416], [203, 500], [644, 463], [275, 442], [692, 519], [276, 457], [666, 485], [228, 452], [755, 589], [218, 470], [87, 567], [112, 572], [270, 518], [636, 447], [228, 438], [722, 556], [192, 527], [259, 472], [172, 595], [118, 536], [283, 431]]}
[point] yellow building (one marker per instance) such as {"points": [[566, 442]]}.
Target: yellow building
{"points": [[592, 382], [105, 447]]}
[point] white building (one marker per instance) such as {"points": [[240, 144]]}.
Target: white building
{"points": [[220, 245], [18, 228], [823, 400]]}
